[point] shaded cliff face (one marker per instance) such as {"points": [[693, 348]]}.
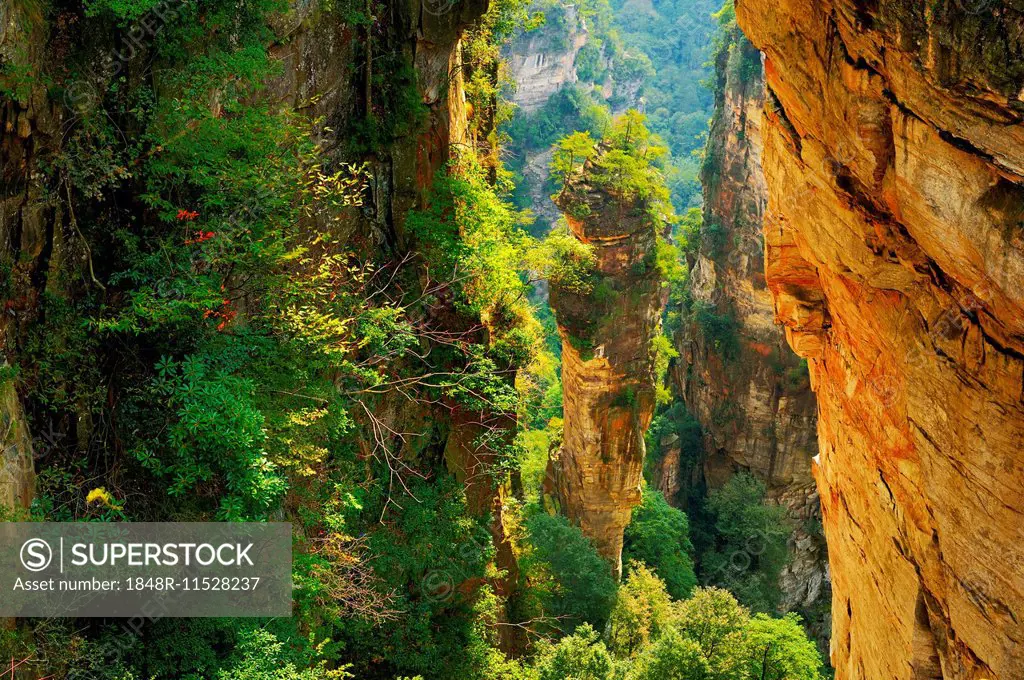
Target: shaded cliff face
{"points": [[324, 73], [737, 375], [895, 166], [330, 70], [544, 60], [748, 391], [319, 76], [607, 367], [32, 248]]}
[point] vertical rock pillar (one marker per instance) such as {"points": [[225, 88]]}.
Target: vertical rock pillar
{"points": [[608, 377]]}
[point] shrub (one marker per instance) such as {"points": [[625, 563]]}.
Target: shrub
{"points": [[720, 330], [565, 261], [261, 657]]}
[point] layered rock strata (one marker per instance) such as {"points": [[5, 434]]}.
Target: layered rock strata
{"points": [[736, 373], [894, 158], [607, 365], [544, 60]]}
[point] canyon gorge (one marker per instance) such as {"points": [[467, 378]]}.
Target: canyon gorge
{"points": [[744, 385], [444, 284]]}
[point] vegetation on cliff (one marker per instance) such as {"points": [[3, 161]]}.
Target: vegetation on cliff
{"points": [[251, 305]]}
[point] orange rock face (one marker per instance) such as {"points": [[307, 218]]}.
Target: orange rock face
{"points": [[894, 158], [607, 371]]}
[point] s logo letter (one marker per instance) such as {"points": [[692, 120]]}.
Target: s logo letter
{"points": [[36, 554]]}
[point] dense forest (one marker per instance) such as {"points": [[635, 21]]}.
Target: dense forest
{"points": [[267, 262]]}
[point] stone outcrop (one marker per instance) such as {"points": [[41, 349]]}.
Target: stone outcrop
{"points": [[607, 365], [17, 472], [736, 373], [894, 158], [543, 61], [738, 377]]}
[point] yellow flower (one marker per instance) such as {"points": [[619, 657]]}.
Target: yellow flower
{"points": [[101, 495]]}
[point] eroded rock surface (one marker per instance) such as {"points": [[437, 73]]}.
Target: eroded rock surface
{"points": [[894, 158], [607, 367], [736, 373], [543, 61]]}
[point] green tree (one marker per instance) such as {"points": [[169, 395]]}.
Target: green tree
{"points": [[570, 155], [630, 133], [716, 622], [778, 649], [642, 611], [749, 549], [580, 656], [570, 579], [671, 657], [659, 536]]}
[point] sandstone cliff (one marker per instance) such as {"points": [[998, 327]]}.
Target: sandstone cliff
{"points": [[607, 364], [543, 61], [736, 374], [895, 166]]}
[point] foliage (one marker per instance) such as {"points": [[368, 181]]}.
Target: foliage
{"points": [[427, 548], [127, 10], [749, 548], [675, 36], [715, 621], [659, 536], [642, 611], [720, 329], [709, 636], [778, 649], [741, 60], [473, 238], [629, 165], [671, 657], [664, 352], [580, 656], [217, 431], [568, 110], [569, 579], [261, 657], [571, 153], [537, 445], [565, 261], [255, 327]]}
